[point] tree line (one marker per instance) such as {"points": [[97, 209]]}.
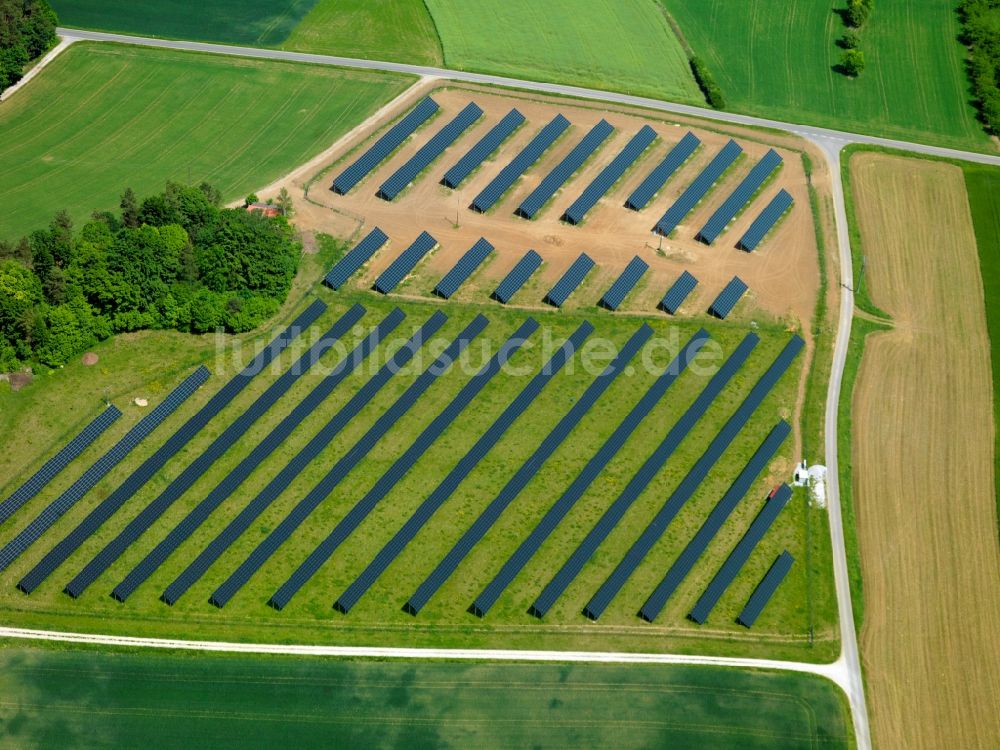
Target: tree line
{"points": [[27, 31], [981, 34], [175, 260]]}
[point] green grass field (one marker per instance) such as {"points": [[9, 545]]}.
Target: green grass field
{"points": [[76, 697], [103, 117]]}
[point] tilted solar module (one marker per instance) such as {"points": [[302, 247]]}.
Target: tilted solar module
{"points": [[403, 266], [466, 266], [765, 589], [728, 297], [384, 146], [743, 192], [430, 151], [138, 478], [99, 469], [564, 170], [570, 280], [531, 153], [609, 175], [517, 277], [677, 293], [486, 146], [597, 463], [624, 284], [776, 502], [765, 221], [355, 258], [694, 549], [51, 468], [698, 188], [694, 477], [662, 172]]}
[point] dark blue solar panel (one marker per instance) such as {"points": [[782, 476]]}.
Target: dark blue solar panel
{"points": [[609, 175], [748, 186], [517, 277], [698, 188], [624, 284], [728, 297], [486, 146], [466, 266], [564, 170], [403, 266], [384, 146], [677, 293], [765, 589], [355, 258], [713, 523], [430, 151], [36, 483], [531, 153], [766, 220], [662, 172], [570, 280]]}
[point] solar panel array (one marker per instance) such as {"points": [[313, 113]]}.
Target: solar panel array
{"points": [[677, 293], [728, 297], [99, 469], [531, 153], [403, 266], [641, 479], [713, 523], [624, 284], [474, 257], [740, 554], [457, 475], [697, 473], [384, 146], [48, 471], [609, 175], [765, 589], [486, 146], [517, 277], [355, 258], [555, 438], [765, 220], [564, 170], [430, 151], [570, 280], [597, 463], [731, 206], [662, 172], [698, 188]]}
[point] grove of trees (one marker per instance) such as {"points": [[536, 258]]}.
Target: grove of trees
{"points": [[27, 30], [981, 33]]}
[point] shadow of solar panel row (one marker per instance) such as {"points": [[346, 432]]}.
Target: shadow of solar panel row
{"points": [[403, 266], [51, 468], [110, 505], [698, 188], [687, 486], [518, 277], [474, 257], [182, 531], [99, 469], [280, 599], [384, 146], [662, 172], [486, 146], [280, 482], [360, 254], [741, 553], [609, 175], [694, 549], [531, 153], [677, 293], [564, 170], [624, 284], [765, 589], [570, 280], [430, 151], [597, 463], [486, 442], [743, 192], [491, 514], [728, 297], [765, 220]]}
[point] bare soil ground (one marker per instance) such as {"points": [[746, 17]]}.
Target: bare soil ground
{"points": [[923, 465]]}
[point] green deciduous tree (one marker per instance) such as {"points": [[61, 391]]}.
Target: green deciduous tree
{"points": [[853, 62]]}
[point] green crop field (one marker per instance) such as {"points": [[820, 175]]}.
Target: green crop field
{"points": [[103, 117], [78, 697]]}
